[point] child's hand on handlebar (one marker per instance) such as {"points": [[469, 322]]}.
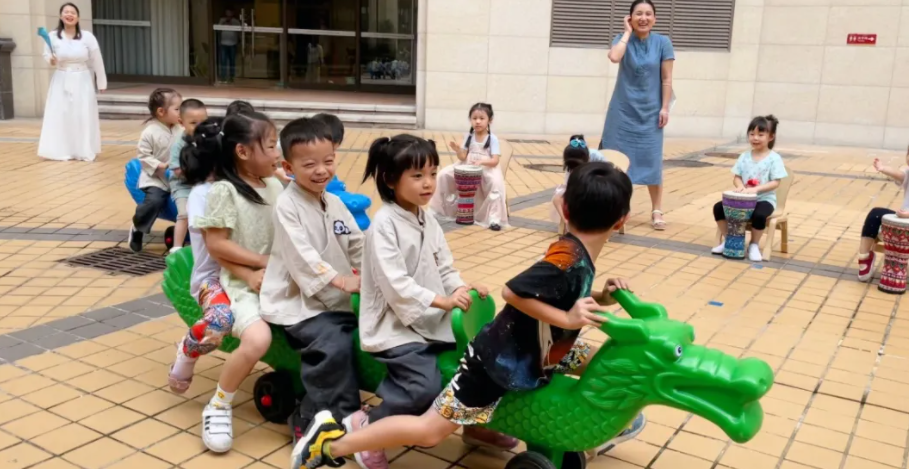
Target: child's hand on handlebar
{"points": [[482, 291], [459, 299], [614, 284], [347, 283], [584, 313]]}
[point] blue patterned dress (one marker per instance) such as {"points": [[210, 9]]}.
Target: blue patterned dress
{"points": [[632, 122]]}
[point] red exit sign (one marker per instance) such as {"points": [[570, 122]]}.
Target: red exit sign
{"points": [[861, 39]]}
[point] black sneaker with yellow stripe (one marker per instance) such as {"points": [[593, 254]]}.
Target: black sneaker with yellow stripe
{"points": [[309, 452]]}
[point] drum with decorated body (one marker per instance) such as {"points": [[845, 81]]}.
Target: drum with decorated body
{"points": [[467, 179], [738, 208], [895, 235]]}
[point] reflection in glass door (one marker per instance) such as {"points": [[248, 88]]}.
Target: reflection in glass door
{"points": [[248, 41], [387, 42], [322, 42]]}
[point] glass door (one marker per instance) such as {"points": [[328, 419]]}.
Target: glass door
{"points": [[387, 42], [322, 43], [248, 41]]}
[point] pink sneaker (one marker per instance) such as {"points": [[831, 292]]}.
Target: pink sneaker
{"points": [[366, 459], [479, 436], [866, 267]]}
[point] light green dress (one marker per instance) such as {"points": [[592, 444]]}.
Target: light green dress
{"points": [[251, 227]]}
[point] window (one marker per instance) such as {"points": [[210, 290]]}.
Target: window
{"points": [[692, 24]]}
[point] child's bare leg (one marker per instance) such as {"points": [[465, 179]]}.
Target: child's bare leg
{"points": [[722, 226], [426, 431], [756, 236], [253, 344], [865, 245], [217, 417], [180, 229]]}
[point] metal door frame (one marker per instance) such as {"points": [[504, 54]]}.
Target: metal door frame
{"points": [[284, 81]]}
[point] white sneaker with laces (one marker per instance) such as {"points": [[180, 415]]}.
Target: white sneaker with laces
{"points": [[719, 249], [217, 428], [754, 253]]}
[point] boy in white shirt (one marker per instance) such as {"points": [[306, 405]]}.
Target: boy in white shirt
{"points": [[310, 274]]}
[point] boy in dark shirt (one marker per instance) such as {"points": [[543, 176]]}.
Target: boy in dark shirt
{"points": [[533, 337]]}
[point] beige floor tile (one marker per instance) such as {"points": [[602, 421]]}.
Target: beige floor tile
{"points": [[814, 456], [51, 396], [7, 440], [231, 460], [80, 349], [25, 384], [179, 448], [56, 463], [66, 438], [822, 437], [95, 380], [877, 451], [184, 415], [124, 391], [111, 420], [34, 424], [21, 456], [67, 370], [140, 461], [260, 442], [670, 459], [9, 372], [40, 362], [99, 454], [145, 433], [154, 402], [82, 407]]}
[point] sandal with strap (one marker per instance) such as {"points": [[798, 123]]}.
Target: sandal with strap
{"points": [[658, 225]]}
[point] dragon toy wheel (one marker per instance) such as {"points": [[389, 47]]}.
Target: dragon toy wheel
{"points": [[530, 460], [274, 396], [169, 237], [574, 461]]}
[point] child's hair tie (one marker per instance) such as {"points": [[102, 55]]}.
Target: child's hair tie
{"points": [[578, 143]]}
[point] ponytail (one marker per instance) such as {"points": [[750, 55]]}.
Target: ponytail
{"points": [[200, 152], [390, 157], [576, 153]]}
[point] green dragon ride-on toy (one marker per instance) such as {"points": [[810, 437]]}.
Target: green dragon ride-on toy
{"points": [[648, 360]]}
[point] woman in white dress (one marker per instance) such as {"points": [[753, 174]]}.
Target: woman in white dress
{"points": [[71, 130]]}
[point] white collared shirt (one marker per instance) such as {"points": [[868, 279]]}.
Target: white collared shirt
{"points": [[405, 265], [312, 246]]}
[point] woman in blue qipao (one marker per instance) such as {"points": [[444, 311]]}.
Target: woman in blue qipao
{"points": [[639, 108]]}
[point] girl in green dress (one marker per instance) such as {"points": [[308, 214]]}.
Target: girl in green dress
{"points": [[238, 232]]}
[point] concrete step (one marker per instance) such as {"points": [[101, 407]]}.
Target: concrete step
{"points": [[129, 106]]}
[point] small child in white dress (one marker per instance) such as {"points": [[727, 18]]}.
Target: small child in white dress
{"points": [[480, 148]]}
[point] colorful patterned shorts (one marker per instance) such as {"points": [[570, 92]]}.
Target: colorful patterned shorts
{"points": [[472, 396]]}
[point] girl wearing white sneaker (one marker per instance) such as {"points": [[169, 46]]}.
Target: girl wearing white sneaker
{"points": [[757, 171], [238, 230]]}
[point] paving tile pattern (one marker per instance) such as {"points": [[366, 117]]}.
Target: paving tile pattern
{"points": [[84, 356]]}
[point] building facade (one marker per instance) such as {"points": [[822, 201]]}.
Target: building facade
{"points": [[541, 63]]}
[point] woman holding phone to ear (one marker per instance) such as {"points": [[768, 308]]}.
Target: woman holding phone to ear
{"points": [[639, 108], [71, 128]]}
